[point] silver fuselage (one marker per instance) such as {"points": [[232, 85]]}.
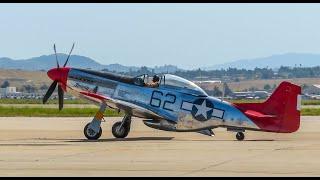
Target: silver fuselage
{"points": [[169, 106]]}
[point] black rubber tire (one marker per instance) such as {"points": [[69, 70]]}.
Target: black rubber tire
{"points": [[95, 137], [124, 131], [240, 136]]}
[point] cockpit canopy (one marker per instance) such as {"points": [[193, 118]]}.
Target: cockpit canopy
{"points": [[173, 82]]}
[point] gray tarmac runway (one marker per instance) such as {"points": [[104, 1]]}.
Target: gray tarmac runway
{"points": [[57, 147]]}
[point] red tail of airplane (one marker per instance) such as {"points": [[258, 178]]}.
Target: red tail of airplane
{"points": [[279, 113]]}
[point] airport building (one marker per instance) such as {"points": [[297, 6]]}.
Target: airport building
{"points": [[9, 92], [311, 92], [314, 89]]}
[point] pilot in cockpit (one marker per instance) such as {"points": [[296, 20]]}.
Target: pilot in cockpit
{"points": [[154, 83]]}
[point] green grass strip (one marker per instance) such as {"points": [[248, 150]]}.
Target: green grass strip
{"points": [[52, 112], [39, 101], [310, 112]]}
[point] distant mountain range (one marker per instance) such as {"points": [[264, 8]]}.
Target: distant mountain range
{"points": [[47, 62], [274, 61]]}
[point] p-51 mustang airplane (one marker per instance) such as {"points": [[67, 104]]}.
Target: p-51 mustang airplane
{"points": [[175, 105]]}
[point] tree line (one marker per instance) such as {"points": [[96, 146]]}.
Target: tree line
{"points": [[235, 74]]}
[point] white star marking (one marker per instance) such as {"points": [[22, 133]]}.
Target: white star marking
{"points": [[202, 109]]}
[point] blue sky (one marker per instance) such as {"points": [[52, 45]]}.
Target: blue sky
{"points": [[186, 35]]}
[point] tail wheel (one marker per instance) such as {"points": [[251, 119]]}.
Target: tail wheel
{"points": [[119, 131], [91, 134], [240, 136]]}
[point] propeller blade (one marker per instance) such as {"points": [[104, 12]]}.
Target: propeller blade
{"points": [[68, 56], [60, 93], [49, 92], [55, 52]]}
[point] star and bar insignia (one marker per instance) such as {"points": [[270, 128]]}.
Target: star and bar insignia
{"points": [[202, 109]]}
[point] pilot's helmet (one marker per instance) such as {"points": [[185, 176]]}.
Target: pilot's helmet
{"points": [[155, 78]]}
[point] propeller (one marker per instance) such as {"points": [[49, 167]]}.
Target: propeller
{"points": [[55, 52], [56, 81], [68, 56], [50, 91]]}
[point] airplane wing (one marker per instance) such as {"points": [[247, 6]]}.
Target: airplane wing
{"points": [[123, 105]]}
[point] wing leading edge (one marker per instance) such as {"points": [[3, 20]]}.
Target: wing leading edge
{"points": [[123, 105]]}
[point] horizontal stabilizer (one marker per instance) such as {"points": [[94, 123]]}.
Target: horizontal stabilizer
{"points": [[258, 115]]}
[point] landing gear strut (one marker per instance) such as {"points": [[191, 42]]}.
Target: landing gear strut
{"points": [[240, 136], [121, 129], [93, 130]]}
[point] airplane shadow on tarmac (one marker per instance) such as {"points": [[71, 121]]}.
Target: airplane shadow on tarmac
{"points": [[153, 139], [116, 140], [125, 139]]}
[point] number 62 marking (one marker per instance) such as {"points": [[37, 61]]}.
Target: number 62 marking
{"points": [[156, 96]]}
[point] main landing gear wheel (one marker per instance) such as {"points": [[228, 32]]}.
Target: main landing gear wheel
{"points": [[90, 133], [119, 130], [240, 136]]}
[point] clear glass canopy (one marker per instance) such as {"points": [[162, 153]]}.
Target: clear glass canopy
{"points": [[171, 81], [176, 81]]}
